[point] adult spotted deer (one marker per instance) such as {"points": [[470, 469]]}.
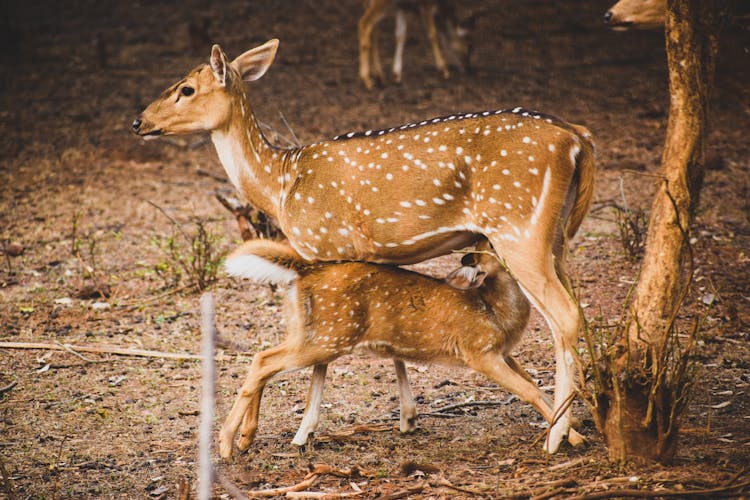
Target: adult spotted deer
{"points": [[408, 193], [332, 308], [439, 20]]}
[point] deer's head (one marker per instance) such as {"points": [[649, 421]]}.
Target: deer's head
{"points": [[206, 98], [640, 14]]}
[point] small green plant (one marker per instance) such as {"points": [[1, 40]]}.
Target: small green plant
{"points": [[633, 226], [85, 248], [192, 255]]}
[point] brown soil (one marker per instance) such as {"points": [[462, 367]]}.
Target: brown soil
{"points": [[73, 80]]}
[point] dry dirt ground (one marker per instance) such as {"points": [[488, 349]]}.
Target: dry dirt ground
{"points": [[75, 181]]}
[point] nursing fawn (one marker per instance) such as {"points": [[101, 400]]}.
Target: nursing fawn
{"points": [[331, 308], [401, 195]]}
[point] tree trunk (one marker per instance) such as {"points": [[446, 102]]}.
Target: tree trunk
{"points": [[635, 415]]}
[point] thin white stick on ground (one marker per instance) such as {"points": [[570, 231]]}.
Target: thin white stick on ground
{"points": [[205, 464]]}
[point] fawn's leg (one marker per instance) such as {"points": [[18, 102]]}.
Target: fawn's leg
{"points": [[407, 407], [312, 407]]}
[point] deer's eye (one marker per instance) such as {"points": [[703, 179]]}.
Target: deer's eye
{"points": [[187, 91]]}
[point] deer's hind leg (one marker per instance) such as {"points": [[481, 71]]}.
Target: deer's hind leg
{"points": [[538, 277]]}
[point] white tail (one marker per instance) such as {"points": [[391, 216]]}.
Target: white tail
{"points": [[333, 308], [440, 22], [405, 194]]}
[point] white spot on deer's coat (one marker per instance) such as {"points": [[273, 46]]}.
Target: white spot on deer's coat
{"points": [[503, 152]]}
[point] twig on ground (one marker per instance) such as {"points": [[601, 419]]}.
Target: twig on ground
{"points": [[409, 490], [355, 429], [100, 350], [74, 353], [283, 490], [8, 387], [230, 487], [473, 403], [549, 494], [124, 306], [208, 173], [552, 488], [740, 487], [323, 495], [441, 481], [565, 465]]}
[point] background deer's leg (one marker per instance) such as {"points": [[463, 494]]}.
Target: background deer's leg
{"points": [[400, 38], [428, 17], [374, 12], [407, 407], [312, 409]]}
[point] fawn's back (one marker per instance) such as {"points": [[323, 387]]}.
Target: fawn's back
{"points": [[398, 313]]}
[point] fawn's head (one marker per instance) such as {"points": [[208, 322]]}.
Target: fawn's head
{"points": [[204, 99], [478, 266]]}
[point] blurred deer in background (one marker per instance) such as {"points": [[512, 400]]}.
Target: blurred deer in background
{"points": [[440, 22], [402, 195], [333, 308], [640, 14]]}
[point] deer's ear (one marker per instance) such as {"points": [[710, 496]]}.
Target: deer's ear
{"points": [[255, 62], [219, 64], [466, 277]]}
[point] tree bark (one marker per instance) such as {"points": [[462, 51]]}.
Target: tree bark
{"points": [[633, 415]]}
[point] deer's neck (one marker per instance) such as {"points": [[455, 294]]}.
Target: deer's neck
{"points": [[255, 167]]}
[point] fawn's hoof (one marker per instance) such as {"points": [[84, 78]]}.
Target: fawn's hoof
{"points": [[575, 439]]}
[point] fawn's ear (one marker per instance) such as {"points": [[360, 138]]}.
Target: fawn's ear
{"points": [[218, 63], [255, 62], [466, 277]]}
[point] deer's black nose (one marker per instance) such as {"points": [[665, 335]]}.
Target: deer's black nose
{"points": [[137, 124], [607, 17]]}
